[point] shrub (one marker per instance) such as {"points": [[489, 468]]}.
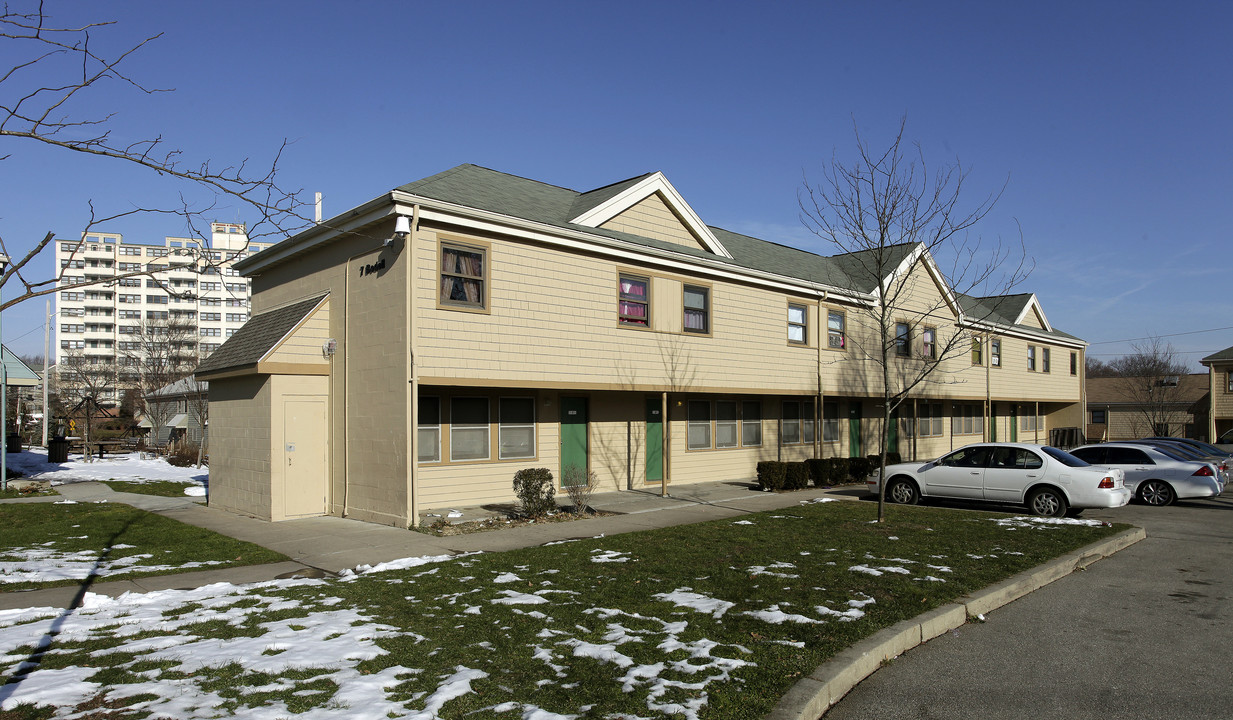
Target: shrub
{"points": [[772, 474], [796, 476], [839, 470], [858, 468], [184, 456], [579, 483], [534, 489], [819, 471]]}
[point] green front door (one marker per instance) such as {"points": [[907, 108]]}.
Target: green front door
{"points": [[573, 433], [1014, 423], [654, 440], [854, 430]]}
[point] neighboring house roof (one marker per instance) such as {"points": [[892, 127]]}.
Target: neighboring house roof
{"points": [[186, 386], [257, 337], [1226, 354], [1114, 391], [17, 372]]}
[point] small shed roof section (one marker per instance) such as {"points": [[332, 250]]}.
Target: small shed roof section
{"points": [[1220, 356], [17, 372], [1118, 390], [258, 337]]}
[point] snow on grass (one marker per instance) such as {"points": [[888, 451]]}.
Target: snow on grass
{"points": [[132, 467], [1043, 523], [21, 565], [684, 597]]}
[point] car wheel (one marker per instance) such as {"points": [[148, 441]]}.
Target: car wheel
{"points": [[902, 491], [1047, 502], [1156, 492]]}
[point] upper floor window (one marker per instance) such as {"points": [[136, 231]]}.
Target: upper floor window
{"points": [[995, 353], [463, 273], [903, 340], [836, 333], [1229, 385], [1074, 363], [978, 352], [1032, 358], [633, 305], [1044, 359], [697, 309], [929, 343], [798, 324]]}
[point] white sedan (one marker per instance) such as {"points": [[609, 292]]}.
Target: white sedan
{"points": [[1156, 475], [1047, 480]]}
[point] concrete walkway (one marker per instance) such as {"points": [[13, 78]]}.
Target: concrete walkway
{"points": [[328, 545]]}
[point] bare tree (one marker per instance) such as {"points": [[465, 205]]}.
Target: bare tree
{"points": [[890, 217], [35, 110], [1094, 368], [1150, 379], [85, 382], [159, 353], [199, 410]]}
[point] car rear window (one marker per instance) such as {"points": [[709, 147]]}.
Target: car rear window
{"points": [[1065, 458]]}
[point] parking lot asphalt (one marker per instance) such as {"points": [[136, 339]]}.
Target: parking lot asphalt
{"points": [[1144, 633]]}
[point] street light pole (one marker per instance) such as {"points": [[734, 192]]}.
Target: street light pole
{"points": [[4, 385]]}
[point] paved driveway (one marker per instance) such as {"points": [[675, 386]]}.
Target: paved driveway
{"points": [[1147, 633]]}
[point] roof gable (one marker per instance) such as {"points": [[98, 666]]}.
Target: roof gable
{"points": [[631, 194], [258, 338]]}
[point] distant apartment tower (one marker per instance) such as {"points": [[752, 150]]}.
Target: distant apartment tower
{"points": [[101, 320]]}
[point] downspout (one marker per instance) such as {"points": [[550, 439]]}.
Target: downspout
{"points": [[1211, 402], [413, 380], [817, 428], [988, 393], [665, 440]]}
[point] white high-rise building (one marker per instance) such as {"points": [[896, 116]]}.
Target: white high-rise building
{"points": [[191, 283]]}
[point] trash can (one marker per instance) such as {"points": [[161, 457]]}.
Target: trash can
{"points": [[57, 450], [14, 443]]}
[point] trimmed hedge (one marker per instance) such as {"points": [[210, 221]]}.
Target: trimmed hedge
{"points": [[772, 474], [797, 477]]}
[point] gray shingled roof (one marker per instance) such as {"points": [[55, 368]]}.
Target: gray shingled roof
{"points": [[186, 386], [1116, 390], [485, 189], [257, 337], [1226, 354]]}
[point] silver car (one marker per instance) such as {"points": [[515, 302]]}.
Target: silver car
{"points": [[1047, 480], [1157, 475]]}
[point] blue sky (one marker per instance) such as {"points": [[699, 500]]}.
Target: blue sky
{"points": [[1109, 123]]}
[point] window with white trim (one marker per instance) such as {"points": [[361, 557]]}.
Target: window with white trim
{"points": [[428, 430], [798, 324], [836, 332], [1031, 358], [633, 300], [469, 433], [697, 301], [929, 343], [797, 426], [516, 428], [995, 353], [463, 273]]}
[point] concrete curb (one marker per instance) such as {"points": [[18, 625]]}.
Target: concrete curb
{"points": [[812, 696]]}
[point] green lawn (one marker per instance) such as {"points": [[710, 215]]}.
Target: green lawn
{"points": [[713, 620], [51, 544], [162, 488]]}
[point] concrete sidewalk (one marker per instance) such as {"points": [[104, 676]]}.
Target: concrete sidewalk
{"points": [[328, 545]]}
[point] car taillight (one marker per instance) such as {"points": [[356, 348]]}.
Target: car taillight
{"points": [[1204, 471], [1106, 484]]}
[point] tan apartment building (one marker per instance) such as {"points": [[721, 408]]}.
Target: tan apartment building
{"points": [[1220, 384], [416, 351], [189, 281], [1129, 408]]}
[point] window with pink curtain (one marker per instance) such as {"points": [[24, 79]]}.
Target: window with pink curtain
{"points": [[697, 309], [462, 276], [632, 305]]}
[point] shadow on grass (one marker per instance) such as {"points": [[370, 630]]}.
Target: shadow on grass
{"points": [[35, 658]]}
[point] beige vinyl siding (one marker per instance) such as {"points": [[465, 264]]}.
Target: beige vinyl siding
{"points": [[559, 310], [653, 218], [1033, 319], [1222, 401], [305, 345]]}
